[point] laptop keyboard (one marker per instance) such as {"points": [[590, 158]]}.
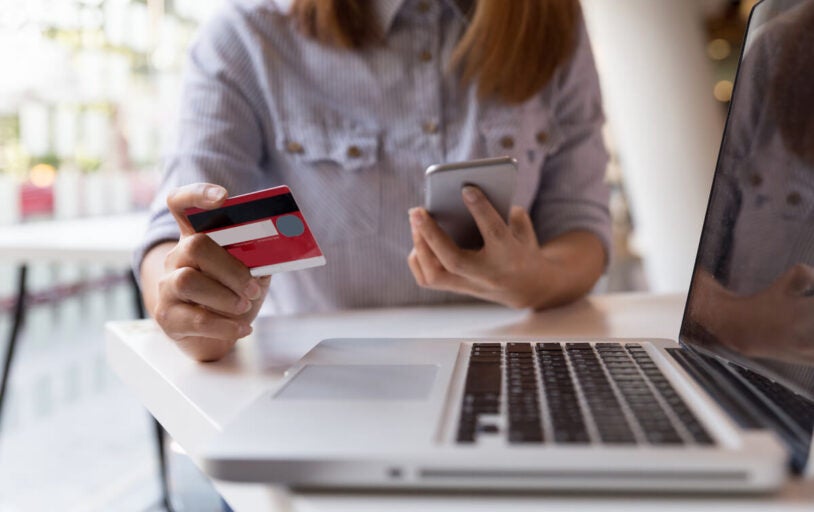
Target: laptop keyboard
{"points": [[572, 393], [798, 408]]}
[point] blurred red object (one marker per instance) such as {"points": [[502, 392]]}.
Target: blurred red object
{"points": [[36, 201]]}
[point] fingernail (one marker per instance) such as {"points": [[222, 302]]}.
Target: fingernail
{"points": [[470, 194], [244, 305], [214, 193], [244, 330], [416, 216], [252, 290]]}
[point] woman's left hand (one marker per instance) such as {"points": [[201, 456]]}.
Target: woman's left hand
{"points": [[509, 269]]}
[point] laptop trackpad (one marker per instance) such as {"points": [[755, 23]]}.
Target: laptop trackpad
{"points": [[360, 382]]}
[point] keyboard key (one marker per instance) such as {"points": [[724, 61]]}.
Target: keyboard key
{"points": [[518, 348], [489, 428]]}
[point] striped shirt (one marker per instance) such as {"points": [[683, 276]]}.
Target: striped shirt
{"points": [[351, 133], [761, 216]]}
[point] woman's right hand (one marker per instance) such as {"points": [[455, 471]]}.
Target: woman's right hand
{"points": [[202, 297]]}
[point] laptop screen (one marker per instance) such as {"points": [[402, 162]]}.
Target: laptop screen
{"points": [[752, 294]]}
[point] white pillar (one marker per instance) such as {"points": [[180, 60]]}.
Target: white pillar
{"points": [[10, 204], [657, 87], [68, 205], [68, 193], [95, 194], [10, 213]]}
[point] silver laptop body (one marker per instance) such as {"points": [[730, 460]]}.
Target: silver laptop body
{"points": [[728, 407]]}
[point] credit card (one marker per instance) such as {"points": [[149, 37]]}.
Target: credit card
{"points": [[265, 230]]}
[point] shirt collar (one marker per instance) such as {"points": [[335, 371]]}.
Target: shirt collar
{"points": [[463, 8], [385, 11]]}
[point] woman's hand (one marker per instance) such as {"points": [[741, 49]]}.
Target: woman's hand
{"points": [[202, 297], [512, 268], [774, 323]]}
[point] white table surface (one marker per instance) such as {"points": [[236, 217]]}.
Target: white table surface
{"points": [[103, 239], [193, 400]]}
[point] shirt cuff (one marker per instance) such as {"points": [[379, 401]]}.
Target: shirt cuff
{"points": [[162, 228]]}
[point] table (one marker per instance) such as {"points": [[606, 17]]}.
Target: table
{"points": [[194, 400], [99, 240], [102, 240], [105, 240]]}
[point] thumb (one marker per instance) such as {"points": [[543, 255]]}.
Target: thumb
{"points": [[204, 196]]}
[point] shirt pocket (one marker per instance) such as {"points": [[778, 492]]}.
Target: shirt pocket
{"points": [[332, 169], [772, 228], [775, 197], [529, 137]]}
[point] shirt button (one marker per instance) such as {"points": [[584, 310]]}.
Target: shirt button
{"points": [[542, 137], [294, 147], [425, 56], [756, 180], [423, 6], [507, 142], [794, 198], [354, 152], [430, 127]]}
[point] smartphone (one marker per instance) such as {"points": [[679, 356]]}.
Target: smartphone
{"points": [[496, 177]]}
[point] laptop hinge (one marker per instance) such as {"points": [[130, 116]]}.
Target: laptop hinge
{"points": [[726, 393], [745, 406]]}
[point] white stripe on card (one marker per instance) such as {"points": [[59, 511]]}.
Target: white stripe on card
{"points": [[243, 233], [287, 266]]}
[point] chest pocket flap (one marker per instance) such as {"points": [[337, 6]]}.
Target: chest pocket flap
{"points": [[349, 147], [528, 135], [332, 170]]}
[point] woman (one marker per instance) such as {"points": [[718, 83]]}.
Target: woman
{"points": [[754, 289], [347, 102]]}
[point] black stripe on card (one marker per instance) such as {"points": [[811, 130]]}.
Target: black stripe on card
{"points": [[244, 212]]}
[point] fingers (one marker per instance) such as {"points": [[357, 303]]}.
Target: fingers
{"points": [[426, 232], [207, 297], [200, 252], [192, 286], [521, 226], [415, 268], [180, 320], [428, 270], [204, 317], [429, 273], [205, 350], [197, 195], [492, 227]]}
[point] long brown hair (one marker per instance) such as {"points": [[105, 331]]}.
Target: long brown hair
{"points": [[792, 84], [510, 49]]}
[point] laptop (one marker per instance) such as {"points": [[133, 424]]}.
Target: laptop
{"points": [[728, 406]]}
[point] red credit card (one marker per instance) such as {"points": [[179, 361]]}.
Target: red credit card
{"points": [[263, 229]]}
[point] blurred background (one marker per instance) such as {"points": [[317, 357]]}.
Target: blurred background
{"points": [[88, 93]]}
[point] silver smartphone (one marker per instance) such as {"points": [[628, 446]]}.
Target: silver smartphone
{"points": [[496, 177]]}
